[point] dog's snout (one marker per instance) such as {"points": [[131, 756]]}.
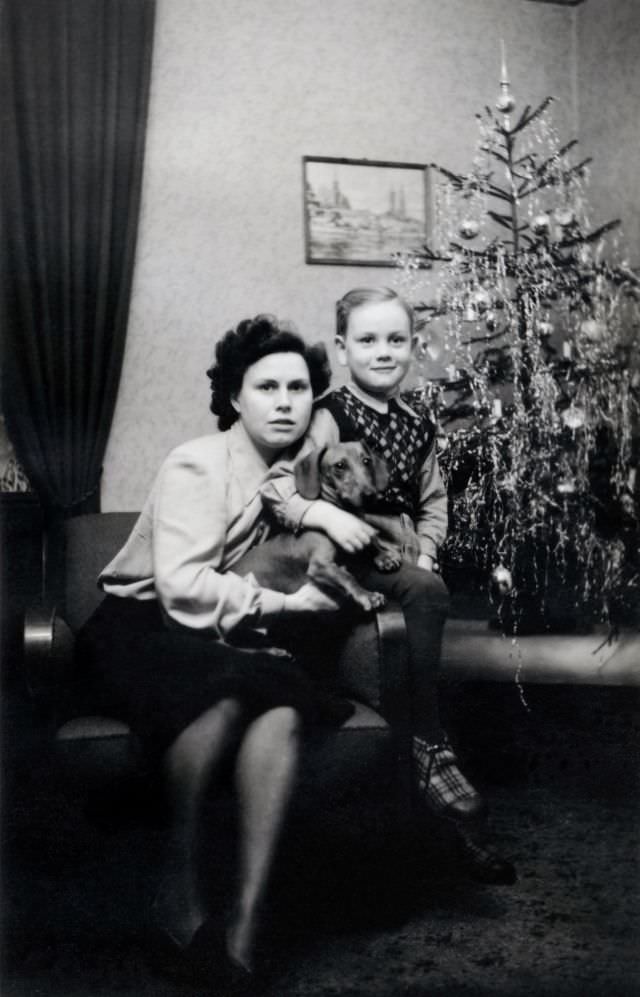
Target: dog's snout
{"points": [[350, 475]]}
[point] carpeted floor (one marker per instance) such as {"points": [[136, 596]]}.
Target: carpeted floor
{"points": [[370, 917]]}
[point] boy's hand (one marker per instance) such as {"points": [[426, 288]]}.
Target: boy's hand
{"points": [[427, 562], [346, 530]]}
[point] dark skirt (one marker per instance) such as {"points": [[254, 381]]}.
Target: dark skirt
{"points": [[159, 679]]}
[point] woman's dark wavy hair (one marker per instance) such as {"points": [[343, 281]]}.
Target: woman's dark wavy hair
{"points": [[250, 341]]}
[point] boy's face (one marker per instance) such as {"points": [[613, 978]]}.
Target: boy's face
{"points": [[377, 347]]}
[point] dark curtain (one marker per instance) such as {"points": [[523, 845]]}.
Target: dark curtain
{"points": [[75, 83]]}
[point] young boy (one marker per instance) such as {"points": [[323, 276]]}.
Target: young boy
{"points": [[375, 339]]}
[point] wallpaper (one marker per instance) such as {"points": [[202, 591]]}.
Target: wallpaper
{"points": [[240, 92]]}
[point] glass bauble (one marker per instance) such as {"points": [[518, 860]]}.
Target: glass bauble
{"points": [[592, 330], [469, 228], [505, 103], [540, 224], [501, 580]]}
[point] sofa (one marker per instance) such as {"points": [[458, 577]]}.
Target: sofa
{"points": [[89, 750], [374, 744]]}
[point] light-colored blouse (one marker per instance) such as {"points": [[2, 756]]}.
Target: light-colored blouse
{"points": [[203, 513]]}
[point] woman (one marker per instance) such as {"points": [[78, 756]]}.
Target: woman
{"points": [[180, 643]]}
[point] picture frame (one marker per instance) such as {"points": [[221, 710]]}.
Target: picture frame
{"points": [[360, 212]]}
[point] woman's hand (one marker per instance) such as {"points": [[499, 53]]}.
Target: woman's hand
{"points": [[346, 530], [310, 599]]}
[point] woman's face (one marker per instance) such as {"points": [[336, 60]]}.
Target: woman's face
{"points": [[274, 402]]}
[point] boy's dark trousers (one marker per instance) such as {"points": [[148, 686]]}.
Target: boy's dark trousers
{"points": [[424, 600]]}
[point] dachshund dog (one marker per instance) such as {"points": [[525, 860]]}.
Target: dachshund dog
{"points": [[347, 475]]}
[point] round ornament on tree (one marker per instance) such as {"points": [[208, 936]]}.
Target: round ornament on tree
{"points": [[574, 417], [541, 224], [501, 581], [505, 103], [470, 313], [566, 486], [481, 299], [469, 228], [592, 330], [565, 217]]}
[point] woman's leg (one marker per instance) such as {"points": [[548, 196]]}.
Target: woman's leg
{"points": [[190, 765], [266, 770]]}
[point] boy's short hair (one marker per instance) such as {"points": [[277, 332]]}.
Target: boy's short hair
{"points": [[366, 296]]}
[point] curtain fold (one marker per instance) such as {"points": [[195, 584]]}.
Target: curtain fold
{"points": [[75, 84]]}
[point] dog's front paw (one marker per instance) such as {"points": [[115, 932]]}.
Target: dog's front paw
{"points": [[388, 561], [370, 601]]}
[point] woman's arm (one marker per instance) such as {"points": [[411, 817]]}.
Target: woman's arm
{"points": [[190, 518], [190, 533]]}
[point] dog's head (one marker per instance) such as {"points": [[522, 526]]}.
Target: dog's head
{"points": [[346, 474]]}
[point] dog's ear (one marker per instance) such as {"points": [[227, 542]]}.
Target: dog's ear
{"points": [[307, 474], [379, 470]]}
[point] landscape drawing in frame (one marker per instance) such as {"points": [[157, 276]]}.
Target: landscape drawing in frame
{"points": [[360, 212]]}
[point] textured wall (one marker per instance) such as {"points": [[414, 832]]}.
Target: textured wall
{"points": [[240, 92], [608, 39]]}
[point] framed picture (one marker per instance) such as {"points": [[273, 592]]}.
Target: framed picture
{"points": [[359, 212]]}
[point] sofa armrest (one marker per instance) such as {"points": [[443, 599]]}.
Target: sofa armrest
{"points": [[373, 663], [395, 699], [373, 668], [48, 654]]}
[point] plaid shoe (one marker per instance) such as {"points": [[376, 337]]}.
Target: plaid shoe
{"points": [[440, 783]]}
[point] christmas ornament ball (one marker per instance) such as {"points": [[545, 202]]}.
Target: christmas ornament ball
{"points": [[481, 299], [501, 580], [469, 228], [545, 328], [627, 505], [565, 217], [505, 103], [574, 417], [490, 321], [592, 330], [541, 223], [566, 486]]}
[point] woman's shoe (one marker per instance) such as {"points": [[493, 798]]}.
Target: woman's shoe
{"points": [[203, 962], [441, 786], [193, 963]]}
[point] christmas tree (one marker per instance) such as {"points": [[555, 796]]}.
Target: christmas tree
{"points": [[540, 400]]}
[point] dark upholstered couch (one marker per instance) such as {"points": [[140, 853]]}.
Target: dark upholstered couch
{"points": [[372, 746]]}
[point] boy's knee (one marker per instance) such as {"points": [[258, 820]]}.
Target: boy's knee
{"points": [[429, 587]]}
